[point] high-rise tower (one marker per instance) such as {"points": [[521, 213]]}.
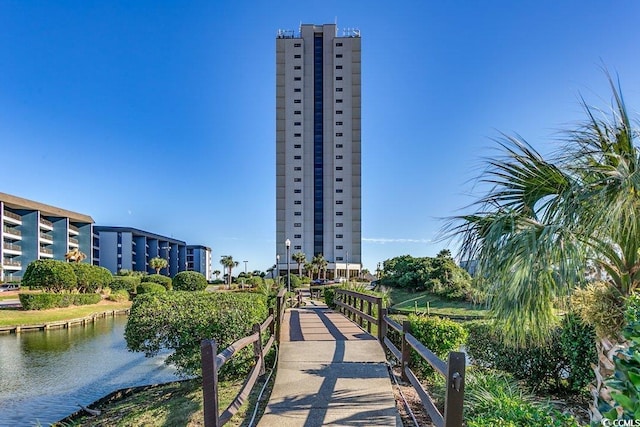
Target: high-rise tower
{"points": [[318, 139]]}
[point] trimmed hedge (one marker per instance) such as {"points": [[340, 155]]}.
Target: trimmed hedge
{"points": [[189, 281], [561, 364], [151, 288], [90, 278], [180, 320], [119, 296], [159, 279], [128, 283], [49, 275], [46, 301]]}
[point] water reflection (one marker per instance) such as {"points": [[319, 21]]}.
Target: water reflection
{"points": [[44, 375]]}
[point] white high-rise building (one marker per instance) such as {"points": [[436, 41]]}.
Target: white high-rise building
{"points": [[318, 140]]}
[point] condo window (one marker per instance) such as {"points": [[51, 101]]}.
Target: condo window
{"points": [[338, 111], [338, 123], [339, 146], [339, 55], [297, 202], [297, 112], [338, 224], [297, 67], [297, 89], [338, 78], [339, 44], [297, 157], [338, 258], [338, 101], [338, 202], [297, 123], [338, 236], [297, 179], [297, 236], [297, 44], [297, 168], [297, 191], [338, 213], [339, 247], [338, 190], [300, 56], [338, 67], [338, 89], [297, 146], [297, 213], [338, 168], [297, 79], [297, 247], [338, 179], [297, 224], [297, 135], [339, 157], [338, 133], [297, 101]]}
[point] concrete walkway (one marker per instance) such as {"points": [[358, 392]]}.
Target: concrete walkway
{"points": [[330, 372]]}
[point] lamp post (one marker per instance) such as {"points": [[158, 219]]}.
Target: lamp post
{"points": [[245, 273], [287, 243], [278, 269]]}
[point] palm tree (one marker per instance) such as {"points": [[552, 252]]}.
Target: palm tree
{"points": [[228, 262], [320, 264], [216, 273], [158, 264], [542, 224], [309, 267], [300, 258]]}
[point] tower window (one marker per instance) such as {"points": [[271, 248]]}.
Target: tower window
{"points": [[297, 79], [339, 157], [338, 133], [338, 111], [338, 89], [338, 78], [297, 157], [339, 44], [297, 44], [339, 55], [338, 67], [339, 145], [300, 56], [297, 146], [297, 67]]}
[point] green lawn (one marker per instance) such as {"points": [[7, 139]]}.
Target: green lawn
{"points": [[408, 302], [14, 317]]}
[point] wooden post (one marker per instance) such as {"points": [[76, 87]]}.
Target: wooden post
{"points": [[360, 322], [278, 318], [381, 325], [272, 325], [369, 312], [406, 350], [257, 348], [455, 390], [208, 352]]}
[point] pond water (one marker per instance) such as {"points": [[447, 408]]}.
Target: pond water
{"points": [[45, 375]]}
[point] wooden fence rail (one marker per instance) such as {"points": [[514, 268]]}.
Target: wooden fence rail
{"points": [[213, 361], [362, 308]]}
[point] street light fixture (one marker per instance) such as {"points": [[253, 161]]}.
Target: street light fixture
{"points": [[278, 269], [245, 273], [287, 243]]}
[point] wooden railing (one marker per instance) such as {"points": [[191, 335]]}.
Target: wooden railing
{"points": [[362, 308], [212, 362]]}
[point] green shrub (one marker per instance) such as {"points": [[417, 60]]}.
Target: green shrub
{"points": [[329, 295], [180, 320], [119, 296], [159, 279], [45, 301], [189, 281], [90, 278], [494, 398], [561, 364], [439, 335], [255, 281], [128, 283], [151, 288], [49, 275]]}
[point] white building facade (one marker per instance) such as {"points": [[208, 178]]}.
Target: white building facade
{"points": [[318, 146]]}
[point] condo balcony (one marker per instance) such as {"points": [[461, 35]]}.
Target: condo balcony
{"points": [[47, 237], [45, 224], [12, 231], [11, 264], [11, 247], [46, 252], [73, 241], [12, 217], [73, 229]]}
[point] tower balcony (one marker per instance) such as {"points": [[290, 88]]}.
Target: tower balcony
{"points": [[12, 218], [12, 232], [12, 248]]}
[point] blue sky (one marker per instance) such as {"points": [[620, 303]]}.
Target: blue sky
{"points": [[160, 115]]}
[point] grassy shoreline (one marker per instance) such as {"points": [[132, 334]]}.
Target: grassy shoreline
{"points": [[19, 317]]}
